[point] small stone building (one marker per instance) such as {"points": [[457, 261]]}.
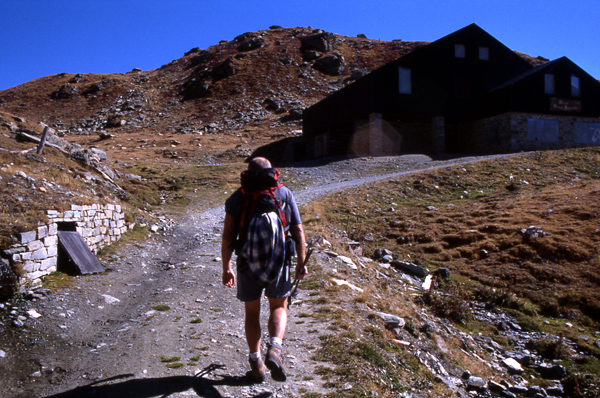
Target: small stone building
{"points": [[464, 93], [38, 251]]}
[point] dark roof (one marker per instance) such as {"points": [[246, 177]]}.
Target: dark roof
{"points": [[526, 74]]}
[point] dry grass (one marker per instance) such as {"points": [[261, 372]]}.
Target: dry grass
{"points": [[470, 219]]}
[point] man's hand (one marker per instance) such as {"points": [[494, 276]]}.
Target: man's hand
{"points": [[301, 271], [227, 250], [228, 278]]}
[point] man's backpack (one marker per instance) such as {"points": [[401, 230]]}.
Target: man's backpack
{"points": [[262, 225]]}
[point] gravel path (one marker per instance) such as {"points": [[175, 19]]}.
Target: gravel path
{"points": [[162, 303]]}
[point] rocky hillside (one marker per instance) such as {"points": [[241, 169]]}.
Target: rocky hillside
{"points": [[249, 90], [254, 86]]}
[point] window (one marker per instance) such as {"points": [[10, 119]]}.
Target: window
{"points": [[484, 53], [548, 84], [575, 92], [460, 50], [404, 81], [542, 130]]}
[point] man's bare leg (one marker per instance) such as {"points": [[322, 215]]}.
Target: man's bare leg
{"points": [[277, 325], [252, 325], [278, 317]]}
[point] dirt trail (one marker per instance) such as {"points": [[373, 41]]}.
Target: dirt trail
{"points": [[110, 335]]}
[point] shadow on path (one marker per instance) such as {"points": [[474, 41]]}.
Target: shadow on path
{"points": [[159, 387]]}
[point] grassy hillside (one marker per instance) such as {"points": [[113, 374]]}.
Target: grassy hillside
{"points": [[476, 221]]}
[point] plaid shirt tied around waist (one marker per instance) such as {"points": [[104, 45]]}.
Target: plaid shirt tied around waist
{"points": [[264, 251]]}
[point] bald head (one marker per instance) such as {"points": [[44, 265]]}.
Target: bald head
{"points": [[259, 163]]}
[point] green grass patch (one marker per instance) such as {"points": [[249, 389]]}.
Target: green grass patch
{"points": [[169, 359], [161, 307]]}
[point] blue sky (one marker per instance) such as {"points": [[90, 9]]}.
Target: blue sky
{"points": [[43, 37]]}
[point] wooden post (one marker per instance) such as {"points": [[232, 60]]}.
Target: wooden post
{"points": [[40, 147]]}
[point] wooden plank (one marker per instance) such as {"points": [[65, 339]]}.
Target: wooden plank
{"points": [[79, 252]]}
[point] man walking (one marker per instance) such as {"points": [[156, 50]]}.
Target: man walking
{"points": [[252, 279]]}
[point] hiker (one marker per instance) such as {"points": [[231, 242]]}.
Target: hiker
{"points": [[257, 271]]}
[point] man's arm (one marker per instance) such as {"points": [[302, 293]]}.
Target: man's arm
{"points": [[227, 250], [297, 232]]}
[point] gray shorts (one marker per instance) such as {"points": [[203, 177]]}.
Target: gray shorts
{"points": [[249, 290]]}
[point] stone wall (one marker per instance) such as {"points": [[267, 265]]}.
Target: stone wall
{"points": [[37, 251], [514, 132]]}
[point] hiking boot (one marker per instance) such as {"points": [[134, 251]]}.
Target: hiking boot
{"points": [[258, 369], [274, 362]]}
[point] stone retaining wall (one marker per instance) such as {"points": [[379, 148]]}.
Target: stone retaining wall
{"points": [[37, 251]]}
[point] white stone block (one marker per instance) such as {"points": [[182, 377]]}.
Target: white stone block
{"points": [[40, 254], [68, 214], [30, 266], [87, 232], [110, 206], [76, 207], [52, 229], [120, 223], [42, 232], [51, 240], [26, 237], [123, 229], [52, 250], [26, 256], [36, 274], [47, 263], [35, 245], [118, 208], [52, 269]]}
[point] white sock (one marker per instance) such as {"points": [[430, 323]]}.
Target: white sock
{"points": [[276, 340], [254, 355]]}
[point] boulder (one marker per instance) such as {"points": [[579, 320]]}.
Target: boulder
{"points": [[379, 253], [116, 120], [94, 88], [552, 372], [252, 44], [513, 365], [323, 42], [311, 55], [65, 91], [332, 64], [196, 89], [295, 114], [409, 268], [391, 321], [101, 154], [224, 69]]}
